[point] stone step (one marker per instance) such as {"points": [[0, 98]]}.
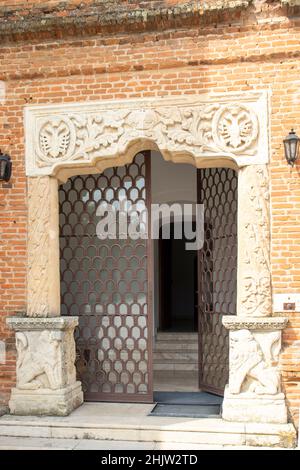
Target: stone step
{"points": [[175, 346], [175, 356], [114, 421], [44, 443], [166, 336], [171, 366]]}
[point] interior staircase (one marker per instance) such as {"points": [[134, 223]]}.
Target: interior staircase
{"points": [[175, 361]]}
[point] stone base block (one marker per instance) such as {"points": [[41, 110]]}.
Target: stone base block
{"points": [[252, 408], [45, 401]]}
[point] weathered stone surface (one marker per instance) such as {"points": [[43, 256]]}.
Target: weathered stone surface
{"points": [[46, 375], [253, 360], [229, 127], [233, 322], [3, 409], [43, 277], [254, 276], [133, 421], [249, 407], [99, 15], [58, 402], [254, 391]]}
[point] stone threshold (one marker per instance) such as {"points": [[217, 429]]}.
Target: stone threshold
{"points": [[119, 422]]}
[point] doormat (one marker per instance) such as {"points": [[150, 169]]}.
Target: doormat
{"points": [[187, 404], [187, 411], [187, 398]]}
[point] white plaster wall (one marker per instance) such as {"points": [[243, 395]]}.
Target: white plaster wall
{"points": [[172, 181]]}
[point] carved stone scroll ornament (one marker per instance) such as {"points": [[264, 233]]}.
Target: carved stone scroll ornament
{"points": [[253, 362], [254, 278], [216, 130], [205, 126]]}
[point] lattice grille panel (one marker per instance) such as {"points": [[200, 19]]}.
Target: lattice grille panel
{"points": [[105, 283], [217, 190]]}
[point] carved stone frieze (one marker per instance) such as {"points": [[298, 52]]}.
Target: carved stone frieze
{"points": [[254, 277], [213, 126]]}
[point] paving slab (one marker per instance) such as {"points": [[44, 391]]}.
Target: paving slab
{"points": [[131, 422]]}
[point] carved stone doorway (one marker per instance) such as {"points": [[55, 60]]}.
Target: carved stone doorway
{"points": [[229, 130]]}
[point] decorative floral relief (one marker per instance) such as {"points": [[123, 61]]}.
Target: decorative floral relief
{"points": [[211, 130], [38, 246], [253, 362], [254, 242]]}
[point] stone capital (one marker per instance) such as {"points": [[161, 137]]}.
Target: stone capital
{"points": [[38, 324], [233, 323]]}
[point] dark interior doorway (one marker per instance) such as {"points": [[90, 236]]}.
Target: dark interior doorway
{"points": [[178, 284]]}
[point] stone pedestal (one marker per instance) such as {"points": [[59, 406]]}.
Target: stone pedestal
{"points": [[46, 375], [254, 390], [248, 407]]}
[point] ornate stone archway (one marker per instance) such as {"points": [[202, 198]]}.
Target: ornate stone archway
{"points": [[207, 131]]}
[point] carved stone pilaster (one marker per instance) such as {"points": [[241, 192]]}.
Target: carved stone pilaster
{"points": [[46, 375], [254, 277], [254, 391], [43, 277]]}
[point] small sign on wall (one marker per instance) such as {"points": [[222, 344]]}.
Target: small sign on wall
{"points": [[286, 302], [2, 92], [2, 352]]}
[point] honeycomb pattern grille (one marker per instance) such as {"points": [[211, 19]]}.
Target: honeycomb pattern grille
{"points": [[105, 283], [217, 190]]}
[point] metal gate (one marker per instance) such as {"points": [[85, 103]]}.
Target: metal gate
{"points": [[106, 283], [217, 274]]}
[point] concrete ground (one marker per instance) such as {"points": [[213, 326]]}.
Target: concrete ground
{"points": [[31, 443]]}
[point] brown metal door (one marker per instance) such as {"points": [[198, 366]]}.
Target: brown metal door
{"points": [[217, 274], [107, 284]]}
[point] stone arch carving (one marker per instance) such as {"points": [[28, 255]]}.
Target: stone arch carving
{"points": [[200, 129]]}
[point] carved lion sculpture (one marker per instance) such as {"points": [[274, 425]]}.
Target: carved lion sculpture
{"points": [[247, 362], [38, 363]]}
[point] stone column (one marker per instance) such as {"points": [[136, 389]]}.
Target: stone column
{"points": [[254, 297], [46, 375], [43, 277], [254, 390]]}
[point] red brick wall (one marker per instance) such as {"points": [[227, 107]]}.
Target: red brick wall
{"points": [[258, 52]]}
